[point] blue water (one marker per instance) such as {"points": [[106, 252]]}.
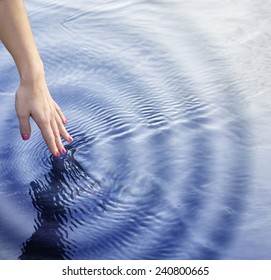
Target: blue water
{"points": [[169, 106]]}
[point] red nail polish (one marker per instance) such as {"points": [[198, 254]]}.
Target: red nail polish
{"points": [[65, 121], [63, 151], [70, 139], [25, 137], [58, 154]]}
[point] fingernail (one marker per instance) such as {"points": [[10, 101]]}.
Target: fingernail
{"points": [[65, 121], [70, 139], [63, 151], [58, 154], [25, 137]]}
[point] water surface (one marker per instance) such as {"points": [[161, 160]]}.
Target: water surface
{"points": [[169, 106]]}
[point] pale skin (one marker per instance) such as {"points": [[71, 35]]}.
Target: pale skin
{"points": [[33, 98]]}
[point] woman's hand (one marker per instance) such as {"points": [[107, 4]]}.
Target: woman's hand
{"points": [[33, 99]]}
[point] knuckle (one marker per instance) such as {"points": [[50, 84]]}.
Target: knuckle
{"points": [[63, 131], [22, 115], [43, 121]]}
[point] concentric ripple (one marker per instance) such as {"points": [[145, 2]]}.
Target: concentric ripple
{"points": [[160, 167]]}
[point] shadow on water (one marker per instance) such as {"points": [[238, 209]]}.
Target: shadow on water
{"points": [[53, 197]]}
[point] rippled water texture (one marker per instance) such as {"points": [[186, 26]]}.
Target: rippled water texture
{"points": [[169, 105]]}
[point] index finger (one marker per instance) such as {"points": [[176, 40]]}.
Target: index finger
{"points": [[49, 137]]}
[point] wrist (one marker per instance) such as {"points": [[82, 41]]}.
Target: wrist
{"points": [[32, 74]]}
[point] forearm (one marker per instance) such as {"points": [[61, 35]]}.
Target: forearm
{"points": [[33, 98], [16, 35]]}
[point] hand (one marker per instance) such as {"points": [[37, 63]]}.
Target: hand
{"points": [[33, 99]]}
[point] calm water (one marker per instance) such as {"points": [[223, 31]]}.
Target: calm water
{"points": [[169, 104]]}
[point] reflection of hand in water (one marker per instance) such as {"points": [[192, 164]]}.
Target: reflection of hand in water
{"points": [[54, 198]]}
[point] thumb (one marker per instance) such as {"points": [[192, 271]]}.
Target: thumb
{"points": [[25, 127]]}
